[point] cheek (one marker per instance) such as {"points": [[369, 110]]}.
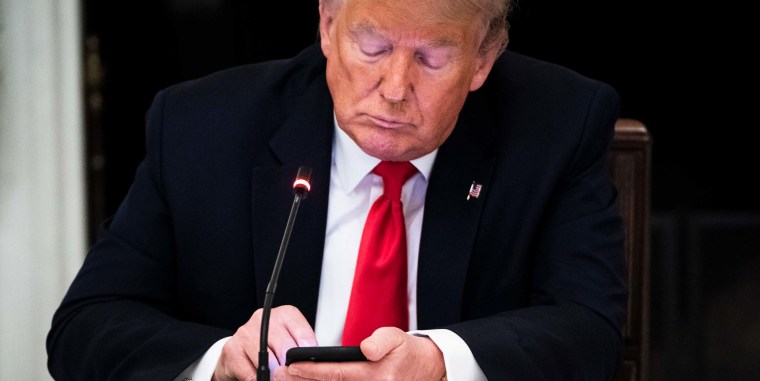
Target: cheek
{"points": [[442, 103], [349, 79], [440, 110]]}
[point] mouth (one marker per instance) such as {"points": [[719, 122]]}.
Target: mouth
{"points": [[386, 122]]}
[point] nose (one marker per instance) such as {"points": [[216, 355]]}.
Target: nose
{"points": [[396, 84]]}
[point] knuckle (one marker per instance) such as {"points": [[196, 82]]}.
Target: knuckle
{"points": [[336, 374], [303, 337], [288, 309]]}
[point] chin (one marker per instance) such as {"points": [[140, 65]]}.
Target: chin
{"points": [[384, 155], [384, 152], [386, 144]]}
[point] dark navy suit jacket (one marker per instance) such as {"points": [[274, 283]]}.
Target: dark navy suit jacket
{"points": [[530, 274]]}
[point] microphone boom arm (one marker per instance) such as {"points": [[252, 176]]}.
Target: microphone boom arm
{"points": [[300, 188]]}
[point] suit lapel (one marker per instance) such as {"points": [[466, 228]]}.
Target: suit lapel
{"points": [[305, 138], [451, 221]]}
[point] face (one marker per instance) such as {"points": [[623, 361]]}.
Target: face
{"points": [[399, 72]]}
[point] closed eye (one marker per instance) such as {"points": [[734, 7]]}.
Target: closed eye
{"points": [[369, 41], [372, 51], [433, 61]]}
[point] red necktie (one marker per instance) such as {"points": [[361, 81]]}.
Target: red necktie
{"points": [[378, 295]]}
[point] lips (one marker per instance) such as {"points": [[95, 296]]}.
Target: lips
{"points": [[386, 122]]}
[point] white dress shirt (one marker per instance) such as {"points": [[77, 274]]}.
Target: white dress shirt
{"points": [[353, 189]]}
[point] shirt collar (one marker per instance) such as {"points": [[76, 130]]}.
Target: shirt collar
{"points": [[353, 164]]}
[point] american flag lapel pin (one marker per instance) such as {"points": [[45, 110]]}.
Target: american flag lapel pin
{"points": [[474, 190]]}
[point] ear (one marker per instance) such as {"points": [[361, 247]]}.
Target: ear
{"points": [[326, 18], [484, 63]]}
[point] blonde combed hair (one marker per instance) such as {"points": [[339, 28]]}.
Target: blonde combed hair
{"points": [[493, 13]]}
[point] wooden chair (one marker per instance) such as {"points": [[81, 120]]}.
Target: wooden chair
{"points": [[630, 170]]}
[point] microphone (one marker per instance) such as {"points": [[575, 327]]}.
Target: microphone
{"points": [[301, 188]]}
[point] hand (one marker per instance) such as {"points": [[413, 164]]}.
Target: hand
{"points": [[288, 328], [392, 354]]}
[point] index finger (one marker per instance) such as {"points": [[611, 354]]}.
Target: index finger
{"points": [[288, 328]]}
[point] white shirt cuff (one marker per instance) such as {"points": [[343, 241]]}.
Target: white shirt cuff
{"points": [[203, 368], [457, 357]]}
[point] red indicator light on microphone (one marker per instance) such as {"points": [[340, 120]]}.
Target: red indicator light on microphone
{"points": [[301, 183]]}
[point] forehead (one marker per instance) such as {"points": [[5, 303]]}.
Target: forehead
{"points": [[426, 19]]}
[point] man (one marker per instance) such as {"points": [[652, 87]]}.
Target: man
{"points": [[515, 268]]}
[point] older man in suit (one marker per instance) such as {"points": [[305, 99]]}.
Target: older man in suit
{"points": [[513, 266]]}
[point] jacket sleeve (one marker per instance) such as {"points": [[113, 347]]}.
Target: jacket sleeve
{"points": [[118, 320]]}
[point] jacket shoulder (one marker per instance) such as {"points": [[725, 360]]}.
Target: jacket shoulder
{"points": [[282, 77], [526, 76]]}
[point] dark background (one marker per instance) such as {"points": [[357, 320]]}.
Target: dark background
{"points": [[678, 66]]}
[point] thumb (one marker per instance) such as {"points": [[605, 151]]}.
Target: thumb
{"points": [[382, 341]]}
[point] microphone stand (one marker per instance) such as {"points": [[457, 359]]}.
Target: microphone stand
{"points": [[300, 188]]}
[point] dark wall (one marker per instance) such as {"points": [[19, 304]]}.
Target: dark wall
{"points": [[146, 45], [678, 67]]}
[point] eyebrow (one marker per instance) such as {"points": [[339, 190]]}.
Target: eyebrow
{"points": [[360, 28]]}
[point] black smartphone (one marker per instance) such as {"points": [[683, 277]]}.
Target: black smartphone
{"points": [[321, 354]]}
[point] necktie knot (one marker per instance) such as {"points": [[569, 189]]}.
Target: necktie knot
{"points": [[394, 174]]}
